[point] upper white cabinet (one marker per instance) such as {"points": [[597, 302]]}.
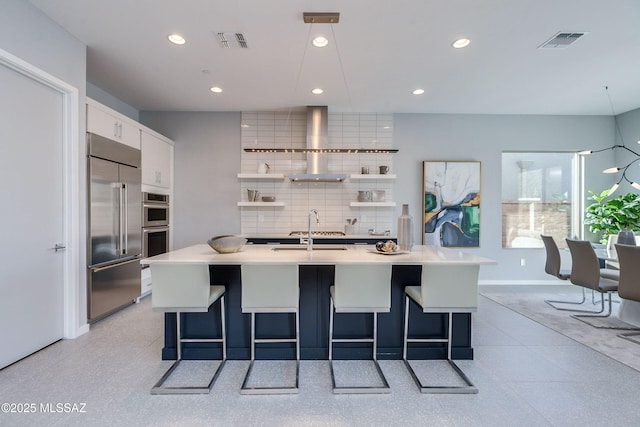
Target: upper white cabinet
{"points": [[103, 121], [157, 154]]}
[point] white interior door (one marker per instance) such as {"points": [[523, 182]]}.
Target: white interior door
{"points": [[31, 188]]}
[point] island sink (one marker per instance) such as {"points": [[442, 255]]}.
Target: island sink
{"points": [[304, 248]]}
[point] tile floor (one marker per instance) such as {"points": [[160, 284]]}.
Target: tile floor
{"points": [[527, 375]]}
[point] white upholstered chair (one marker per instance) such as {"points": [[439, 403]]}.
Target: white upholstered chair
{"points": [[270, 288], [186, 288], [360, 288], [443, 289]]}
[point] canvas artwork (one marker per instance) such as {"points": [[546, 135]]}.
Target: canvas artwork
{"points": [[451, 203]]}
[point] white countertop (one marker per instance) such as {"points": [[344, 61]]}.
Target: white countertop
{"points": [[259, 254], [319, 237]]}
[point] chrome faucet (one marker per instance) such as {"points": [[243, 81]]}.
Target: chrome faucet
{"points": [[309, 240]]}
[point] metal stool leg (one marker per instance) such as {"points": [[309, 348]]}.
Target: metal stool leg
{"points": [[245, 389], [159, 388], [357, 389], [468, 388]]}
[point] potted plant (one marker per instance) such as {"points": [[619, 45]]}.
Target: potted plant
{"points": [[614, 215]]}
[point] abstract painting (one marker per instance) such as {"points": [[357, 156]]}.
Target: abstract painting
{"points": [[451, 203]]}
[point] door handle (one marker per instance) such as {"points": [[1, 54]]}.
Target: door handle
{"points": [[58, 247]]}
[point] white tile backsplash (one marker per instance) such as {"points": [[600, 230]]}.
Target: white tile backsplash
{"points": [[288, 130]]}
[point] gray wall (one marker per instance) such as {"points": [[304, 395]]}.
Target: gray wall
{"points": [[30, 35], [483, 137], [103, 97], [206, 162]]}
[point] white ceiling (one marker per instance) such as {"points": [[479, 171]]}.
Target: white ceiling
{"points": [[387, 49]]}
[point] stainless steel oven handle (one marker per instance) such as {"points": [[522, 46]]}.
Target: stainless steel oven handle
{"points": [[148, 230], [152, 205]]}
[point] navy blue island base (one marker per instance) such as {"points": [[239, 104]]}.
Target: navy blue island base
{"points": [[315, 281]]}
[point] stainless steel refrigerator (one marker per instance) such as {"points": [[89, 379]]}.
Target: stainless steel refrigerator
{"points": [[115, 224]]}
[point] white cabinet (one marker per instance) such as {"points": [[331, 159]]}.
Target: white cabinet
{"points": [[157, 155], [103, 121]]}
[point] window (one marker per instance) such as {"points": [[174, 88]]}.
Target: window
{"points": [[538, 191]]}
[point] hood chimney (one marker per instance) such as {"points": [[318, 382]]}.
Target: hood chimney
{"points": [[317, 141]]}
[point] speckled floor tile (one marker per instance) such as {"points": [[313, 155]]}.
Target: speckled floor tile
{"points": [[527, 375]]}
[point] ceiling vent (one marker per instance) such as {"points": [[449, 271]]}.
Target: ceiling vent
{"points": [[561, 40], [232, 40]]}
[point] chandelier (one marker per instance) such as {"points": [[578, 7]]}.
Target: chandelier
{"points": [[616, 169]]}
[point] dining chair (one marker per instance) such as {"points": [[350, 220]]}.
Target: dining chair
{"points": [[629, 286], [585, 272], [553, 267]]}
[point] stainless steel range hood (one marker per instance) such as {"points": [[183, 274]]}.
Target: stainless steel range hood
{"points": [[317, 139]]}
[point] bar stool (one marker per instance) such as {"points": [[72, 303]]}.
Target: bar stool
{"points": [[360, 288], [443, 289], [270, 288], [184, 288]]}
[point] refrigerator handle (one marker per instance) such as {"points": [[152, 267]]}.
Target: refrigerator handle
{"points": [[125, 209], [106, 267], [121, 218]]}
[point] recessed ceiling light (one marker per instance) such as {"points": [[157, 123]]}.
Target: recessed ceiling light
{"points": [[176, 39], [418, 91], [317, 91], [460, 43], [320, 41], [215, 89]]}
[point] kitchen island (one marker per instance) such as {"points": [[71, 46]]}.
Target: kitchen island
{"points": [[316, 269]]}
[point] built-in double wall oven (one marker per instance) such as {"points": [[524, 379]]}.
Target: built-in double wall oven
{"points": [[155, 224]]}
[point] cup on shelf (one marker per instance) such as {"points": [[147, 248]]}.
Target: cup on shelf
{"points": [[384, 170], [253, 195], [378, 195], [364, 196], [364, 170], [263, 168]]}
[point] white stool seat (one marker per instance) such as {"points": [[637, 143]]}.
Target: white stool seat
{"points": [[415, 293], [183, 288], [270, 288], [215, 292], [443, 289], [360, 288], [369, 307]]}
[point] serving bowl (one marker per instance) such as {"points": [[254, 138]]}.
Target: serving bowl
{"points": [[226, 244], [268, 198]]}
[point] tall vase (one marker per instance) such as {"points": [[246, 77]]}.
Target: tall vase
{"points": [[405, 230]]}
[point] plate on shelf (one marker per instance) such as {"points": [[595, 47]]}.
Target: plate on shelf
{"points": [[375, 251]]}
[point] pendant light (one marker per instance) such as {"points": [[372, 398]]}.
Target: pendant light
{"points": [[616, 169]]}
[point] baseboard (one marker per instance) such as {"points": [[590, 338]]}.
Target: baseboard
{"points": [[81, 330], [521, 282]]}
